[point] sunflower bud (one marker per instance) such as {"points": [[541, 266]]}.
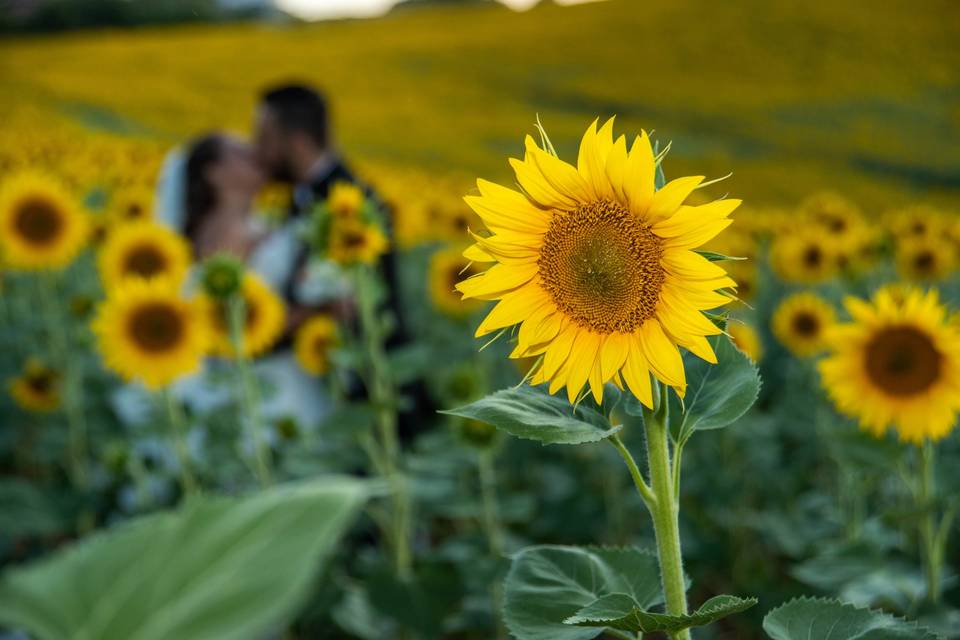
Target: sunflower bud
{"points": [[222, 275]]}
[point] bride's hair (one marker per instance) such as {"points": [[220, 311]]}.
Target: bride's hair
{"points": [[201, 195]]}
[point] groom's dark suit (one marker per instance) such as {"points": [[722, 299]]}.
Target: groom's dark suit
{"points": [[316, 190]]}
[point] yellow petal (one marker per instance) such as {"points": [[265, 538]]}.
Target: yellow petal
{"points": [[697, 237], [559, 351], [582, 356], [637, 374], [661, 354], [617, 168], [640, 175], [562, 176], [688, 219], [687, 265], [668, 199], [537, 187], [498, 279], [613, 353], [514, 307], [592, 160], [475, 253]]}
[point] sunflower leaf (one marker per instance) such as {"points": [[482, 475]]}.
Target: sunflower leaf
{"points": [[620, 611], [529, 413], [215, 568], [717, 394], [548, 584], [826, 619]]}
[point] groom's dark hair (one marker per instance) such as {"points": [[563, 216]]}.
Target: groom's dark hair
{"points": [[299, 108]]}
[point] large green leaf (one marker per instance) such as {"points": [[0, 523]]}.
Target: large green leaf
{"points": [[548, 584], [526, 412], [620, 611], [806, 618], [217, 568], [717, 394]]}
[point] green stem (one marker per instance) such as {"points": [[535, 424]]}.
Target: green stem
{"points": [[177, 431], [493, 525], [645, 492], [933, 557], [382, 393], [665, 512], [249, 390], [72, 383]]}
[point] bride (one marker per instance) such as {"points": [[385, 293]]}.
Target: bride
{"points": [[207, 193]]}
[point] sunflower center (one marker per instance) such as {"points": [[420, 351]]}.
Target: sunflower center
{"points": [[321, 345], [145, 261], [38, 221], [924, 261], [812, 256], [156, 327], [903, 361], [602, 267], [806, 324], [354, 239], [41, 382]]}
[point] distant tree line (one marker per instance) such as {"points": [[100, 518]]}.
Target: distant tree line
{"points": [[62, 15]]}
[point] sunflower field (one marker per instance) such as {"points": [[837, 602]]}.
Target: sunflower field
{"points": [[640, 320]]}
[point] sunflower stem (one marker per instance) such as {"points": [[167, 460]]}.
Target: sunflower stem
{"points": [[382, 392], [72, 383], [931, 547], [249, 390], [178, 432], [665, 512]]}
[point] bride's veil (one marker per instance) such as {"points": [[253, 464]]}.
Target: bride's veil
{"points": [[170, 203]]}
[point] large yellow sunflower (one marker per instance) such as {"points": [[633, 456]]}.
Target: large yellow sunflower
{"points": [[41, 224], [37, 388], [801, 322], [598, 267], [447, 268], [313, 343], [148, 332], [143, 250], [264, 322], [896, 364]]}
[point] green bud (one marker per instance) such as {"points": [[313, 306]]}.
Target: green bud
{"points": [[222, 276]]}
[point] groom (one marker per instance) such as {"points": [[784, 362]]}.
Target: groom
{"points": [[294, 144]]}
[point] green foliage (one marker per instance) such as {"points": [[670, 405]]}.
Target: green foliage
{"points": [[620, 611], [546, 585], [216, 568], [717, 395], [529, 413], [806, 618]]}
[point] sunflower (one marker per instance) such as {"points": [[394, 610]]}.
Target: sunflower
{"points": [[597, 267], [41, 224], [353, 241], [896, 364], [925, 258], [805, 255], [313, 343], [37, 388], [143, 250], [148, 332], [264, 318], [918, 221], [132, 204], [746, 339], [447, 268], [801, 322], [345, 199]]}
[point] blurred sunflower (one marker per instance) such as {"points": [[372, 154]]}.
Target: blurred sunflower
{"points": [[148, 332], [925, 258], [37, 388], [263, 323], [314, 341], [353, 241], [143, 250], [598, 267], [345, 199], [804, 256], [41, 224], [919, 221], [801, 322], [747, 339], [132, 204], [896, 364], [838, 217], [447, 268]]}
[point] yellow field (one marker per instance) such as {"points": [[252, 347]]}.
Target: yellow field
{"points": [[792, 99]]}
